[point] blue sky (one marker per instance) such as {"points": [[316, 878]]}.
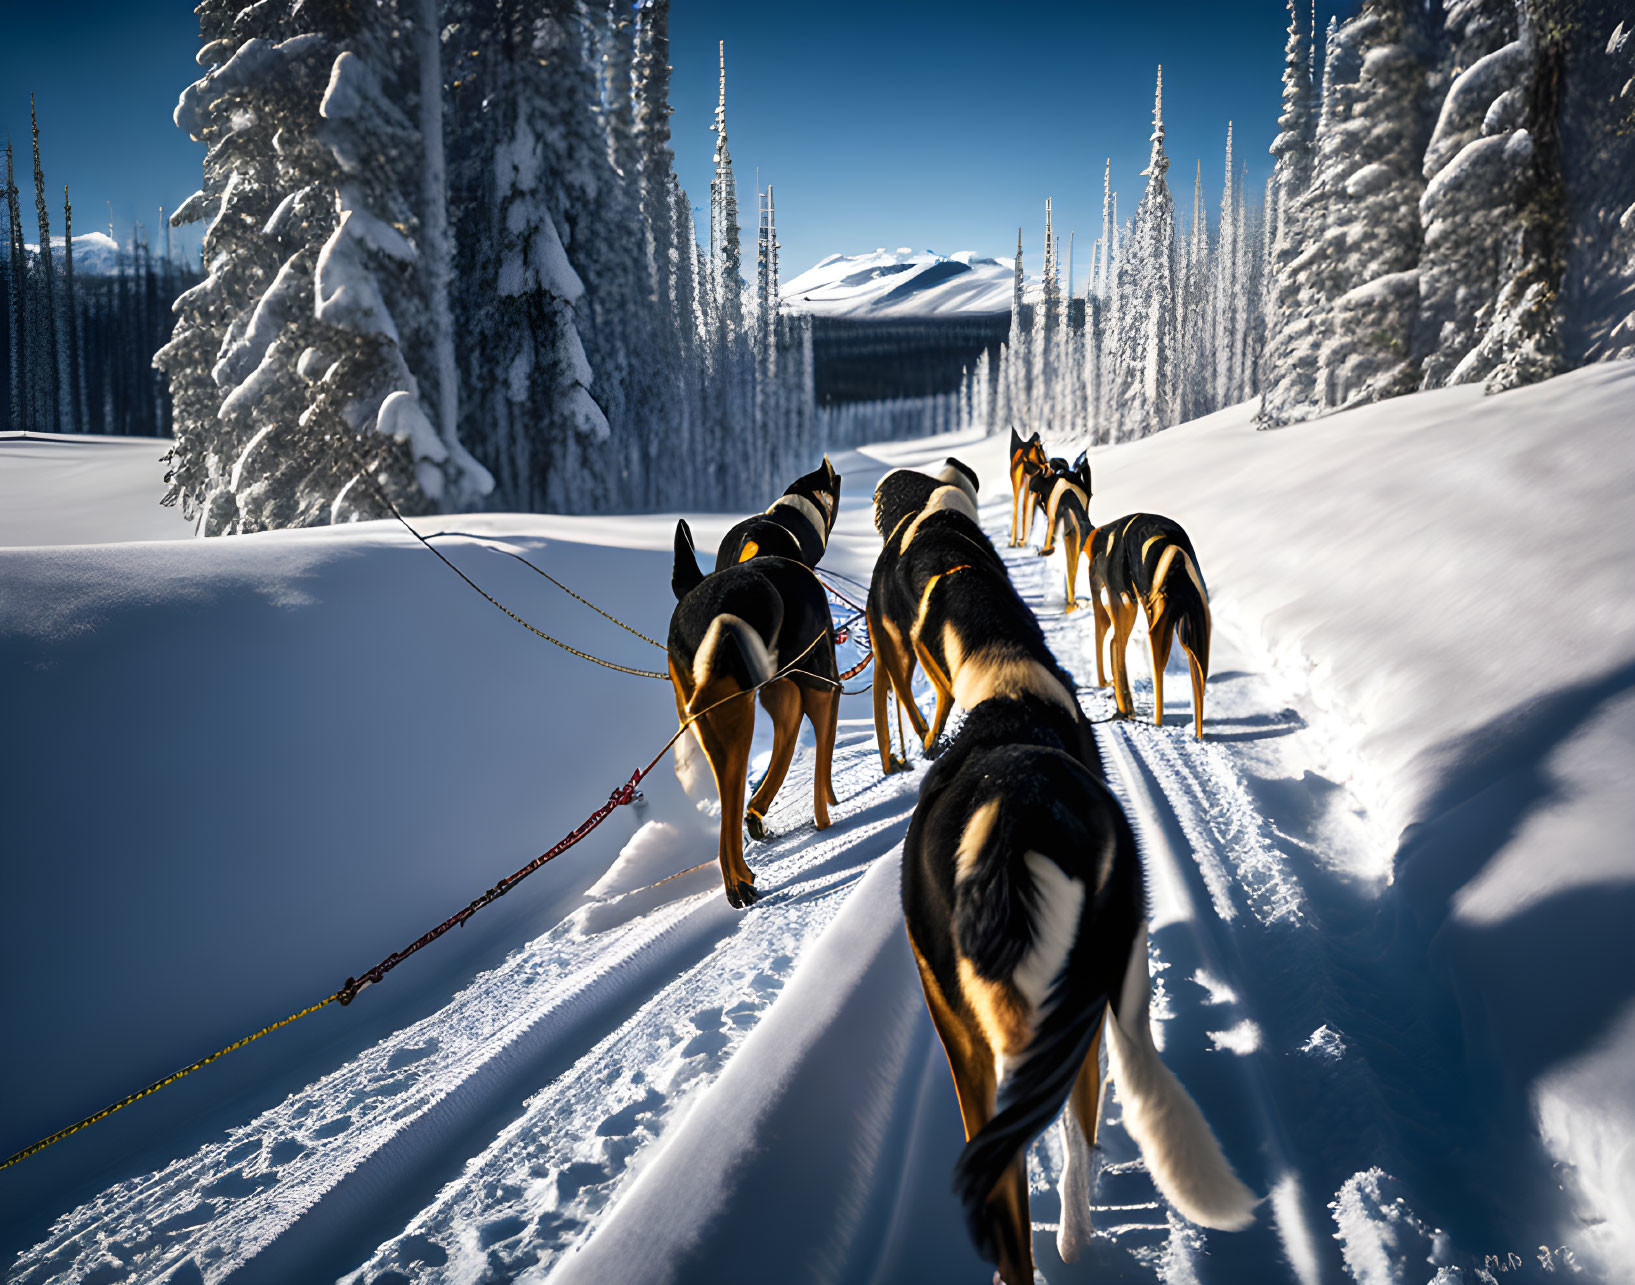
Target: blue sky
{"points": [[932, 125]]}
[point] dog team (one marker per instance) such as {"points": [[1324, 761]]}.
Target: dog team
{"points": [[1022, 888]]}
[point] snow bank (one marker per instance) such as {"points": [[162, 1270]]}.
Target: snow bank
{"points": [[59, 489]]}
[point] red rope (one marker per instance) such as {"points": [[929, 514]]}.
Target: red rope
{"points": [[626, 793]]}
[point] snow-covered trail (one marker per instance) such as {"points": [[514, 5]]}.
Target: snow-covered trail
{"points": [[660, 1088]]}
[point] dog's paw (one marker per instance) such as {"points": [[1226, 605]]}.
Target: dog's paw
{"points": [[934, 750], [742, 894], [756, 827], [898, 764]]}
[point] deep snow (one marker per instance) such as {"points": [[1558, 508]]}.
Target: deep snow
{"points": [[1391, 893]]}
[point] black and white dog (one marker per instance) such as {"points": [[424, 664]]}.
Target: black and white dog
{"points": [[731, 632], [1025, 907], [796, 525]]}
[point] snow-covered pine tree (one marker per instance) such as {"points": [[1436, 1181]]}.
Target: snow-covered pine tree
{"points": [[1017, 385], [74, 419], [524, 377], [48, 350], [1355, 282], [1599, 131], [1478, 168], [1289, 351], [725, 252], [1147, 300], [18, 302], [224, 110], [1192, 357], [1524, 342], [730, 398], [1291, 170], [1225, 288], [1373, 216], [1103, 357]]}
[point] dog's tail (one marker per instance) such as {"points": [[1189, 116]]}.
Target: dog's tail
{"points": [[1182, 586], [1027, 892], [685, 575], [731, 647], [1181, 1152]]}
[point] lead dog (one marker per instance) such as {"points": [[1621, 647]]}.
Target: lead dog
{"points": [[1027, 461], [1146, 561], [941, 597], [732, 632], [796, 525], [1024, 902]]}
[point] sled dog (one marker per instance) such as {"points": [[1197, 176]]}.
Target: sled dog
{"points": [[796, 525], [1062, 481], [1148, 560], [941, 597], [1025, 907], [732, 631], [1027, 461]]}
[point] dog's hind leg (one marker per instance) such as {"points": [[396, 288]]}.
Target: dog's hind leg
{"points": [[1123, 614], [1160, 635], [726, 733], [1103, 623], [1197, 692], [1070, 543], [822, 707], [944, 689], [782, 700], [892, 672]]}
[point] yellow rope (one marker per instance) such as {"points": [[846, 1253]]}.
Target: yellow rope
{"points": [[60, 1134]]}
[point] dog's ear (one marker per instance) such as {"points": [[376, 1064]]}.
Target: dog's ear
{"points": [[828, 467], [1016, 440], [685, 575]]}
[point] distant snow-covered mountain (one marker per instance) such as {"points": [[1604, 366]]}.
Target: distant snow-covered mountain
{"points": [[905, 283], [94, 252]]}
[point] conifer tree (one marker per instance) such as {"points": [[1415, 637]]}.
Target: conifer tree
{"points": [[75, 417], [1146, 288], [48, 351], [724, 230], [20, 356]]}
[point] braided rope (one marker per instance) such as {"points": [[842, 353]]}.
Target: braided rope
{"points": [[124, 1102]]}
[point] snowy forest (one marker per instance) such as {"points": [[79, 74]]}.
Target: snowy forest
{"points": [[76, 350], [1452, 201], [450, 265]]}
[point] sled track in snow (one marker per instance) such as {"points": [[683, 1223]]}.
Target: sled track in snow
{"points": [[488, 1139]]}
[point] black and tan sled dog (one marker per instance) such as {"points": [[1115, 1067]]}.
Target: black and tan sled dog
{"points": [[1025, 907], [1027, 462], [1061, 483], [797, 524], [731, 631], [941, 597], [1146, 560]]}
